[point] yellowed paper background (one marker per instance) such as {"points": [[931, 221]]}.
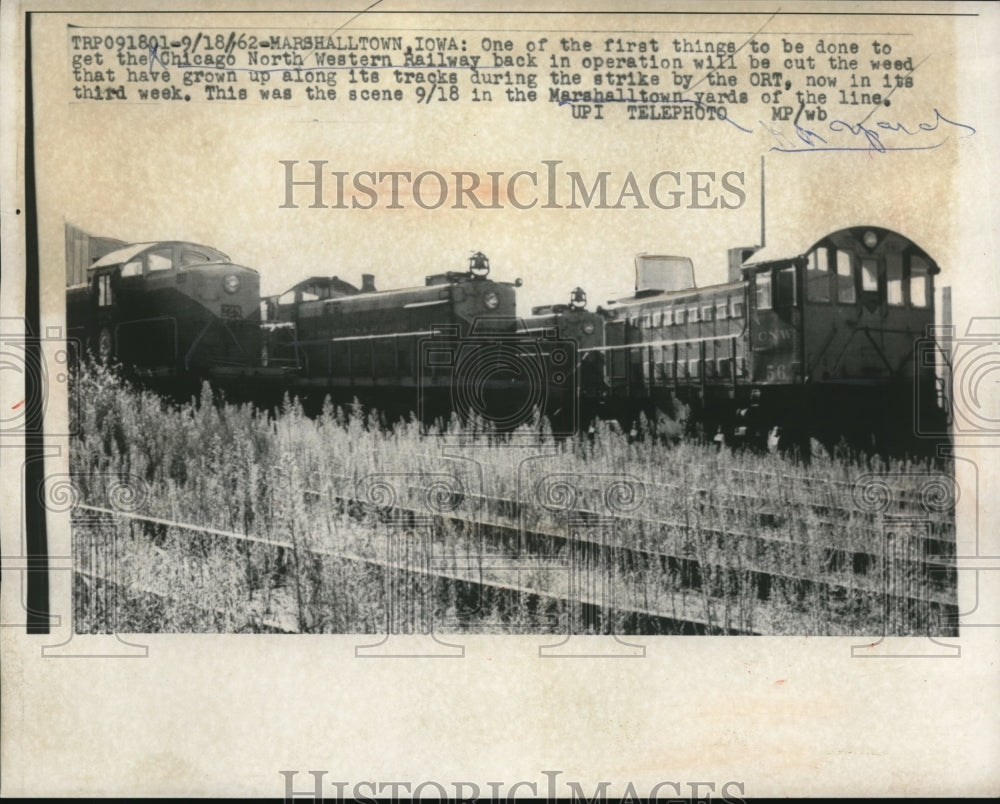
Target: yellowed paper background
{"points": [[224, 715]]}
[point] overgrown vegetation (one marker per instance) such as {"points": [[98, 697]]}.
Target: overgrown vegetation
{"points": [[229, 519]]}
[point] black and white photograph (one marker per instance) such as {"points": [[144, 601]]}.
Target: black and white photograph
{"points": [[638, 363]]}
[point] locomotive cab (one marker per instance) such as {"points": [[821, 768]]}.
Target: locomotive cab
{"points": [[844, 311], [168, 307], [841, 320]]}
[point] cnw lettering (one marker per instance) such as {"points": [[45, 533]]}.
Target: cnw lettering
{"points": [[768, 337]]}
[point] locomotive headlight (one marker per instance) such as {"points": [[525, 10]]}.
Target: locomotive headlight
{"points": [[231, 283], [491, 300], [588, 328], [870, 239]]}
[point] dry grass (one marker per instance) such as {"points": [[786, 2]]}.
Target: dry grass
{"points": [[324, 510]]}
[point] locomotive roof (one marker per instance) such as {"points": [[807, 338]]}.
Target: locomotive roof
{"points": [[675, 294], [129, 252], [334, 282], [460, 279], [799, 244]]}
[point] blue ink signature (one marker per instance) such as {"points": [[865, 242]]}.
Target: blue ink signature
{"points": [[812, 141]]}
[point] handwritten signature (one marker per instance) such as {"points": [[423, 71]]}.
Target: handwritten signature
{"points": [[842, 136]]}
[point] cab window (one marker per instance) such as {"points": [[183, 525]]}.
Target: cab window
{"points": [[160, 260], [818, 277], [105, 297], [845, 279], [763, 288], [785, 288], [133, 268], [190, 257], [894, 279], [918, 281], [869, 275]]}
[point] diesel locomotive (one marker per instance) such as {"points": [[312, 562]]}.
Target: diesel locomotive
{"points": [[817, 344], [570, 339], [169, 308], [820, 344], [432, 349]]}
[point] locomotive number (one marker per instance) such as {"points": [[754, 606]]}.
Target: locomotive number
{"points": [[231, 311], [777, 372]]}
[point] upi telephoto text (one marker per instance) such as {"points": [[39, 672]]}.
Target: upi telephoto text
{"points": [[313, 185]]}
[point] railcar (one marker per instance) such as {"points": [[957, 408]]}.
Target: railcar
{"points": [[815, 344], [819, 342], [169, 308], [673, 351]]}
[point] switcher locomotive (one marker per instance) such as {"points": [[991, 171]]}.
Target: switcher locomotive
{"points": [[428, 349], [579, 333], [174, 314], [819, 345]]}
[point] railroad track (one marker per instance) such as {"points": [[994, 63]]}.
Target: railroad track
{"points": [[684, 562], [513, 521], [497, 575], [738, 505], [933, 501], [499, 547]]}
